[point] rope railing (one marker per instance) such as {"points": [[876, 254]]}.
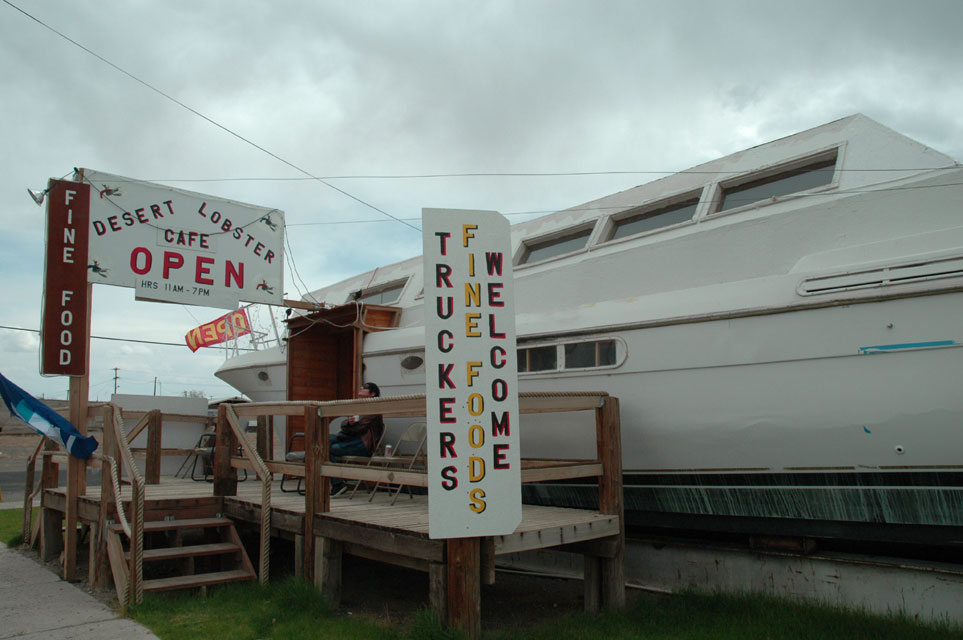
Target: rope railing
{"points": [[265, 476], [134, 530]]}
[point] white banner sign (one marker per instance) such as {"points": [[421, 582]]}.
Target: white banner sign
{"points": [[474, 468], [179, 246]]}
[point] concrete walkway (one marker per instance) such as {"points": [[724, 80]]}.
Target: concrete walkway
{"points": [[35, 603]]}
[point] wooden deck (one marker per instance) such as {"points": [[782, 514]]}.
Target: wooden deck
{"points": [[541, 526], [324, 527]]}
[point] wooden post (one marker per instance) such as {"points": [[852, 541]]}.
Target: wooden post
{"points": [[592, 579], [265, 437], [225, 478], [327, 576], [611, 499], [487, 561], [152, 465], [52, 538], [28, 522], [99, 560], [464, 586], [438, 589], [312, 485], [76, 468]]}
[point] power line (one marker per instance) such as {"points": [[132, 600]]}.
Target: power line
{"points": [[624, 207], [197, 113], [513, 174], [163, 344]]}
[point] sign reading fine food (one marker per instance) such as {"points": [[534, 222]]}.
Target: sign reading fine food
{"points": [[63, 338], [474, 469], [179, 246]]}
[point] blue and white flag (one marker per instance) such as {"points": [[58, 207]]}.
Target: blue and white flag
{"points": [[45, 420]]}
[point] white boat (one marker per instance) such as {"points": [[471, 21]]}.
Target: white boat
{"points": [[782, 327]]}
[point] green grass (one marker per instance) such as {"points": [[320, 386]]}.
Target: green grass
{"points": [[289, 608], [11, 524], [293, 609], [692, 616]]}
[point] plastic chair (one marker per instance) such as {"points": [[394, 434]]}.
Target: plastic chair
{"points": [[408, 451]]}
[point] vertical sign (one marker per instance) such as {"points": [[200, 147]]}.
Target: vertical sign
{"points": [[64, 340], [474, 469]]}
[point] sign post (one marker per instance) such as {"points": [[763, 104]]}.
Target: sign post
{"points": [[65, 339], [169, 245], [474, 467]]}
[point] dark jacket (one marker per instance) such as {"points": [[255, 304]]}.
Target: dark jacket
{"points": [[367, 428]]}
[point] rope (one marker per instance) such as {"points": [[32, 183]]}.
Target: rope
{"points": [[115, 481], [137, 543], [265, 529], [137, 507]]}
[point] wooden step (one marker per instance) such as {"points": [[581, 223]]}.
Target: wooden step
{"points": [[199, 580], [171, 525], [190, 551]]}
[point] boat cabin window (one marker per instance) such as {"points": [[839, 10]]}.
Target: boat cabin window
{"points": [[816, 173], [581, 355], [653, 217], [538, 359], [591, 354], [556, 246], [380, 294]]}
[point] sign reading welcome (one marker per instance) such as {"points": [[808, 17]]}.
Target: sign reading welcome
{"points": [[474, 467], [179, 246]]}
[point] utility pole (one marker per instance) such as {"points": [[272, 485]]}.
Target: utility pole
{"points": [[155, 385], [115, 379]]}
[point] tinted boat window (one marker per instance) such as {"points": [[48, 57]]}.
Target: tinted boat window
{"points": [[589, 354], [800, 179], [654, 219], [380, 295], [556, 247], [538, 359]]}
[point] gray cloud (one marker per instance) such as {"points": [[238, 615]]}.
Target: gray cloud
{"points": [[412, 87]]}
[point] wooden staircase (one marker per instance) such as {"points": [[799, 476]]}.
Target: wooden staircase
{"points": [[181, 554]]}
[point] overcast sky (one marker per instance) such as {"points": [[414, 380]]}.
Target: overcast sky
{"points": [[406, 88]]}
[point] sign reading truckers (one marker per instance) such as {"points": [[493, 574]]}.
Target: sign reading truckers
{"points": [[474, 468], [179, 246]]}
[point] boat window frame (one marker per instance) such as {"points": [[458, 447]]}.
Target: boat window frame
{"points": [[556, 236], [621, 354], [381, 288], [771, 173], [653, 209]]}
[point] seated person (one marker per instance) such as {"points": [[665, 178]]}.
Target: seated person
{"points": [[358, 435]]}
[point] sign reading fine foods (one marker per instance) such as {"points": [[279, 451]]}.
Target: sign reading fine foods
{"points": [[63, 340], [474, 468], [179, 246]]}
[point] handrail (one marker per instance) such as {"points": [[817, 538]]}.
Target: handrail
{"points": [[266, 478], [115, 482], [30, 492], [135, 532]]}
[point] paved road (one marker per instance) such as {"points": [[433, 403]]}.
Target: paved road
{"points": [[12, 484]]}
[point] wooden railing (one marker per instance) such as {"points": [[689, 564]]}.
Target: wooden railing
{"points": [[116, 447], [226, 413], [606, 466]]}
